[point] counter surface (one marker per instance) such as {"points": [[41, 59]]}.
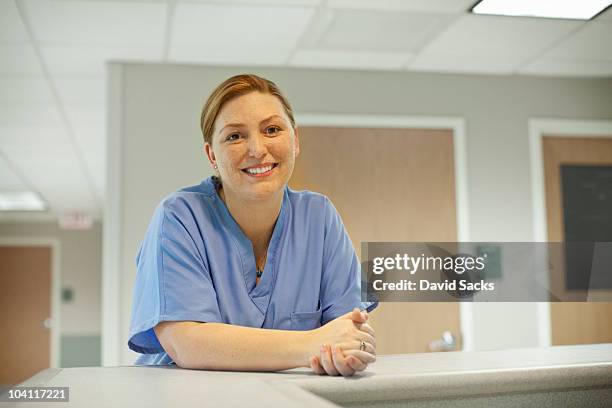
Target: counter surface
{"points": [[393, 380]]}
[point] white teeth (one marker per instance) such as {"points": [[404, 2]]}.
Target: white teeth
{"points": [[259, 170]]}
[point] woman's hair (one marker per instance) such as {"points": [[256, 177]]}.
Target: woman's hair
{"points": [[231, 88]]}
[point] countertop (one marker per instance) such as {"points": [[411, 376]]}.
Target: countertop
{"points": [[538, 376]]}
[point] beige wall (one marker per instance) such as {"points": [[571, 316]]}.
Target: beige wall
{"points": [[155, 148]]}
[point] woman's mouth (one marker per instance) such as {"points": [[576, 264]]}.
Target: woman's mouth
{"points": [[260, 171]]}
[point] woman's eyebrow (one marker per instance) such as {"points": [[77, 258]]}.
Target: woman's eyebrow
{"points": [[271, 117], [236, 125]]}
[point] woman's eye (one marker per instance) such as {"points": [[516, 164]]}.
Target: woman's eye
{"points": [[232, 137], [272, 130]]}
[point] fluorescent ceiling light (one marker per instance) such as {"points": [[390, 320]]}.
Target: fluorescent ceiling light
{"points": [[21, 201], [572, 9]]}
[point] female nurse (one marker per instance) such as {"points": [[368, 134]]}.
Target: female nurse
{"points": [[242, 273]]}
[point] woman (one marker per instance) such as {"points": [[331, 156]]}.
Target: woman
{"points": [[240, 272]]}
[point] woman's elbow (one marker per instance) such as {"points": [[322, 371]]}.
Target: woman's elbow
{"points": [[177, 340]]}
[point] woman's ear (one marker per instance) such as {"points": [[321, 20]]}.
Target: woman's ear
{"points": [[210, 154], [296, 144]]}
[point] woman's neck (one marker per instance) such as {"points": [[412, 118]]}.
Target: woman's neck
{"points": [[255, 218]]}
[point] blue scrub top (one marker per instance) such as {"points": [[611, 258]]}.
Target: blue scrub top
{"points": [[196, 264]]}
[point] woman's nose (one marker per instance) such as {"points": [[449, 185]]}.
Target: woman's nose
{"points": [[257, 147]]}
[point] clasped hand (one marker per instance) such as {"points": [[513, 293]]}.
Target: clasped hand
{"points": [[347, 345]]}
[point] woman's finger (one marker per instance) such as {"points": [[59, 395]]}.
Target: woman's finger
{"points": [[363, 356], [367, 337], [358, 316], [315, 364], [355, 363], [340, 362], [365, 327], [326, 360]]}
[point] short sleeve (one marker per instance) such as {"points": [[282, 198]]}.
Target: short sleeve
{"points": [[172, 282], [341, 280]]}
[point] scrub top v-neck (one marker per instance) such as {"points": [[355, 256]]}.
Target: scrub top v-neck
{"points": [[259, 293], [196, 264]]}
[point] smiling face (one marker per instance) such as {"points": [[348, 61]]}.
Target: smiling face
{"points": [[254, 146]]}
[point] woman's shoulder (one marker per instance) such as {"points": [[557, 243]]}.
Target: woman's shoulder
{"points": [[307, 197], [196, 196], [311, 203]]}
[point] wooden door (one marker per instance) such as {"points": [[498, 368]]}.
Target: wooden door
{"points": [[388, 185], [25, 301], [573, 322]]}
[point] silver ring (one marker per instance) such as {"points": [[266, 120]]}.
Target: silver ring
{"points": [[362, 347]]}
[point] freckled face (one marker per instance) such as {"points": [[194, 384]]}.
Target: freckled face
{"points": [[254, 146]]}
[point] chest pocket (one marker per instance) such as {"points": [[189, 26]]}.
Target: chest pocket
{"points": [[306, 320]]}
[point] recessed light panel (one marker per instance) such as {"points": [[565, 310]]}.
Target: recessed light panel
{"points": [[577, 10], [21, 201]]}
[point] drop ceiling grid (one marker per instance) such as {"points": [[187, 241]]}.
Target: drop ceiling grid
{"points": [[90, 61], [56, 176], [318, 58], [9, 181], [402, 32], [77, 37], [63, 29], [97, 23], [591, 41], [11, 28], [18, 60], [495, 43], [92, 33]]}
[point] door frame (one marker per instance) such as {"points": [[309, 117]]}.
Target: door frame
{"points": [[457, 125], [54, 244], [557, 128]]}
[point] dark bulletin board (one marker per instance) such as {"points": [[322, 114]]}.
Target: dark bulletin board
{"points": [[587, 219]]}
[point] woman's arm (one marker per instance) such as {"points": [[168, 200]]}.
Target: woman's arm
{"points": [[220, 346]]}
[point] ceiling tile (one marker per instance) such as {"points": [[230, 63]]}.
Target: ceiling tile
{"points": [[9, 180], [348, 59], [262, 35], [463, 64], [91, 137], [569, 67], [91, 60], [56, 174], [394, 31], [31, 136], [294, 3], [97, 23], [16, 89], [81, 90], [490, 43], [86, 112], [30, 113], [593, 41], [440, 6], [11, 27], [18, 59]]}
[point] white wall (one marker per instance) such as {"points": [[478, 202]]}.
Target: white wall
{"points": [[155, 147]]}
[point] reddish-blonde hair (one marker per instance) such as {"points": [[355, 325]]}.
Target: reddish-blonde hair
{"points": [[231, 88]]}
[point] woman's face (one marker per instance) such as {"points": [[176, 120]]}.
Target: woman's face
{"points": [[254, 146]]}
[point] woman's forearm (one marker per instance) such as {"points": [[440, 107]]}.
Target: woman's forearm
{"points": [[220, 346]]}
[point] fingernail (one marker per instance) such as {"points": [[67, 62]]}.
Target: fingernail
{"points": [[322, 348]]}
